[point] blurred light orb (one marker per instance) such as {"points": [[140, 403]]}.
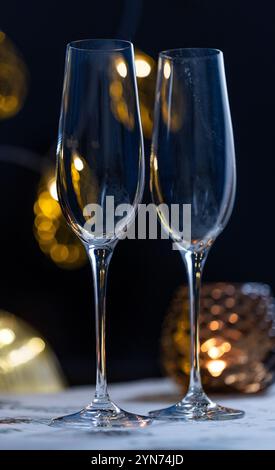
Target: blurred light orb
{"points": [[216, 367], [78, 163], [143, 68], [167, 70], [118, 91], [122, 69], [7, 336], [27, 363], [13, 79], [146, 72], [54, 237], [52, 188], [26, 352]]}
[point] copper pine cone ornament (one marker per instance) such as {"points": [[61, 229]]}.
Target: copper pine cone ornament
{"points": [[237, 337]]}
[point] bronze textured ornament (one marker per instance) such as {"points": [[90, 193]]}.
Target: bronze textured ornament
{"points": [[237, 337]]}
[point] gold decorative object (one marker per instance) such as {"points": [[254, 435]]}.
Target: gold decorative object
{"points": [[13, 79], [237, 337], [27, 364], [50, 228]]}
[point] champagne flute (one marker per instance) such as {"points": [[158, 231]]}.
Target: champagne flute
{"points": [[100, 160], [193, 163]]}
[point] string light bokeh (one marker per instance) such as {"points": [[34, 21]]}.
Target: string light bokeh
{"points": [[13, 78], [54, 237], [146, 72], [146, 80]]}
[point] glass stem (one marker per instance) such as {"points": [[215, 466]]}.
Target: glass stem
{"points": [[194, 264], [100, 259]]}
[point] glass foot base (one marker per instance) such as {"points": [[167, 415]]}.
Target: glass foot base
{"points": [[196, 407], [95, 418]]}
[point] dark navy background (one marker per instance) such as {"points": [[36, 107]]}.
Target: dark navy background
{"points": [[143, 274]]}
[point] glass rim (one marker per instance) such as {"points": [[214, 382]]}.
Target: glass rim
{"points": [[121, 45], [186, 53]]}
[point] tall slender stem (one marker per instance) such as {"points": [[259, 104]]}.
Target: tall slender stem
{"points": [[194, 265], [100, 259]]}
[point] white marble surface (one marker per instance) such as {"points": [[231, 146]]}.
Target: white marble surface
{"points": [[255, 431]]}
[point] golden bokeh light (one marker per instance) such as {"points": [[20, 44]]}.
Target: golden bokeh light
{"points": [[121, 68], [52, 188], [13, 79], [118, 91], [143, 68], [233, 318], [7, 336], [25, 353], [78, 163], [208, 344], [215, 352], [50, 228], [146, 71], [167, 70], [214, 325], [216, 367], [215, 348], [120, 87]]}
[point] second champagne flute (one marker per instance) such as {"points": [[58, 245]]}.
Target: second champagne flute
{"points": [[100, 168], [193, 164]]}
